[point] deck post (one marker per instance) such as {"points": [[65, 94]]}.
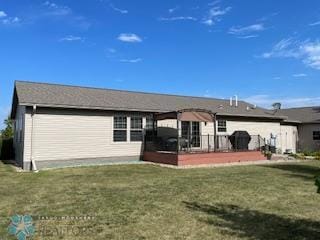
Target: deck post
{"points": [[215, 132], [208, 142], [178, 132], [259, 142]]}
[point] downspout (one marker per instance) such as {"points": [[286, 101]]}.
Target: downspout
{"points": [[33, 163]]}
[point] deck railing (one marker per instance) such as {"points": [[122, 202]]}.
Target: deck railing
{"points": [[203, 143]]}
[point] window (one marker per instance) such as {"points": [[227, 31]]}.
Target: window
{"points": [[120, 129], [136, 129], [222, 125], [151, 128], [149, 123], [316, 135]]}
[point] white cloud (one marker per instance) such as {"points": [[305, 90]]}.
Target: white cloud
{"points": [[122, 11], [56, 10], [214, 3], [311, 52], [248, 36], [299, 75], [172, 10], [10, 20], [129, 37], [177, 18], [2, 14], [308, 52], [71, 38], [314, 24], [136, 60], [267, 100], [214, 14], [258, 27]]}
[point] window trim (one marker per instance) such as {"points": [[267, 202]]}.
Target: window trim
{"points": [[136, 129], [316, 133], [124, 129], [222, 128]]}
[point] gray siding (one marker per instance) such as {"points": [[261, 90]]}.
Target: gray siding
{"points": [[306, 141], [19, 129]]}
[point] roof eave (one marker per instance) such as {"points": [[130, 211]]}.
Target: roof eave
{"points": [[252, 116], [136, 110]]}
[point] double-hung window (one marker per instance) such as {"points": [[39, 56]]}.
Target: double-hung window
{"points": [[136, 129], [316, 135], [120, 128], [149, 123], [222, 125]]}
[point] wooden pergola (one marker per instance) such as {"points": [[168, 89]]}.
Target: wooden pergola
{"points": [[190, 115]]}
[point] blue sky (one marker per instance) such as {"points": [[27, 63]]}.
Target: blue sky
{"points": [[263, 51]]}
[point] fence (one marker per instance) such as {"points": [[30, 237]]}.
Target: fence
{"points": [[204, 143]]}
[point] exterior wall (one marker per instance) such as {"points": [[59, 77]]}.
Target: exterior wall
{"points": [[72, 134], [285, 135], [289, 138], [167, 127], [18, 141], [264, 129], [306, 142], [83, 134]]}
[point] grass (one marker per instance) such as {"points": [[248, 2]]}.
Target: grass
{"points": [[150, 202]]}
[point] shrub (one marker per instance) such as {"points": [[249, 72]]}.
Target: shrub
{"points": [[318, 183], [7, 152]]}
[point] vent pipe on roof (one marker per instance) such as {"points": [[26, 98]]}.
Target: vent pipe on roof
{"points": [[235, 97]]}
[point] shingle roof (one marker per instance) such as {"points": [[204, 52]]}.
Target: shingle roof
{"points": [[303, 114], [53, 95]]}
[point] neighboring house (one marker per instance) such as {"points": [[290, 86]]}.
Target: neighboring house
{"points": [[57, 123], [308, 127]]}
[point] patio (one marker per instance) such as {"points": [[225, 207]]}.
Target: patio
{"points": [[185, 145]]}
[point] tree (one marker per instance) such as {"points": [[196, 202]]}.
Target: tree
{"points": [[318, 183], [7, 132]]}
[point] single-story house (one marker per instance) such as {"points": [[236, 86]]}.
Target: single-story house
{"points": [[59, 123]]}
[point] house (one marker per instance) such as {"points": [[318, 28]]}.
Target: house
{"points": [[308, 127], [55, 124]]}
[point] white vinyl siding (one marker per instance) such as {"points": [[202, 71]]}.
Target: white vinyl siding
{"points": [[289, 138], [60, 136]]}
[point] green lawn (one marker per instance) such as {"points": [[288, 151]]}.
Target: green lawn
{"points": [[150, 202]]}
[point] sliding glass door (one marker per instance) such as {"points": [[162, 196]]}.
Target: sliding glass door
{"points": [[191, 132]]}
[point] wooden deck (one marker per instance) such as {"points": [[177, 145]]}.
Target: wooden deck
{"points": [[184, 159]]}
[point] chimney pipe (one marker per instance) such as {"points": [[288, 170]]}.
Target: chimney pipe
{"points": [[236, 97]]}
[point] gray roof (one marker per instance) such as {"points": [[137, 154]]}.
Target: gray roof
{"points": [[303, 114], [53, 95]]}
